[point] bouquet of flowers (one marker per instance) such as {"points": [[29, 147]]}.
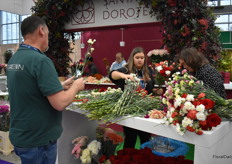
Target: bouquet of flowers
{"points": [[158, 55], [81, 65], [191, 106], [76, 66], [85, 153], [144, 156], [162, 71], [109, 140], [4, 117]]}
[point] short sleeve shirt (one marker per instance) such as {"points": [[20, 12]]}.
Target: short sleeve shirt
{"points": [[31, 77]]}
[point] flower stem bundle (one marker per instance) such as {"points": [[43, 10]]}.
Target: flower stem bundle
{"points": [[112, 104]]}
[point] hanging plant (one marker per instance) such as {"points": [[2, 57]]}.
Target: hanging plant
{"points": [[187, 23]]}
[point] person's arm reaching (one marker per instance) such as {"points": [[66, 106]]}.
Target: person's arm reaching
{"points": [[62, 99]]}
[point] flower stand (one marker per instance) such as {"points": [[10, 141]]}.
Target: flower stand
{"points": [[5, 145]]}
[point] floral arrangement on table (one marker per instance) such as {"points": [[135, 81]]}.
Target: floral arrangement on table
{"points": [[162, 71], [85, 152], [158, 55], [191, 106], [4, 118], [113, 103], [144, 156]]}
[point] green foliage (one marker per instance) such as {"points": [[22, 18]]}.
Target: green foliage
{"points": [[56, 14], [7, 55], [187, 23], [225, 62]]}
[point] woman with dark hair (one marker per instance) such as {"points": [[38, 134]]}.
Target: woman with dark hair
{"points": [[137, 64], [196, 63]]}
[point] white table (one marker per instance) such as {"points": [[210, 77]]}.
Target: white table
{"points": [[213, 147]]}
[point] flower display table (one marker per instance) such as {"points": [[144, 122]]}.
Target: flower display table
{"points": [[212, 147]]}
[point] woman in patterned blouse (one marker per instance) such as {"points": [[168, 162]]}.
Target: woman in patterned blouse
{"points": [[196, 63]]}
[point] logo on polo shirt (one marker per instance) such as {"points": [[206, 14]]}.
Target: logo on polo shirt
{"points": [[15, 67]]}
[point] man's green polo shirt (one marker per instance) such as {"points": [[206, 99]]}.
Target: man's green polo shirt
{"points": [[31, 77]]}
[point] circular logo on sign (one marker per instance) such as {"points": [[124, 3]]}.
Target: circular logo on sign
{"points": [[85, 14]]}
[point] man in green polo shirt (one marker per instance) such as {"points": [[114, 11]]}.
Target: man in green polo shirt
{"points": [[37, 98]]}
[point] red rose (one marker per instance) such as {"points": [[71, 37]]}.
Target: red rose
{"points": [[191, 129], [175, 122], [192, 114], [174, 114], [102, 159], [184, 95], [208, 103], [172, 2], [213, 120], [203, 123], [196, 103], [199, 132]]}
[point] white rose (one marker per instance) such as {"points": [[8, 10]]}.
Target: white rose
{"points": [[200, 108], [167, 72], [188, 105], [201, 116], [177, 102], [186, 121], [159, 68], [190, 97]]}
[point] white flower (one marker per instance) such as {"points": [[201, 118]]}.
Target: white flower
{"points": [[172, 110], [186, 121], [92, 49], [85, 157], [177, 102], [94, 147], [177, 91], [164, 101], [90, 41], [190, 98], [188, 105], [201, 116], [167, 72], [170, 119], [159, 68], [179, 130], [200, 108]]}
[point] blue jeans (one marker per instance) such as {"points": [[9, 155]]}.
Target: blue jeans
{"points": [[38, 155]]}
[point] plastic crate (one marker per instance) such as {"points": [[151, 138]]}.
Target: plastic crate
{"points": [[180, 148], [5, 145]]}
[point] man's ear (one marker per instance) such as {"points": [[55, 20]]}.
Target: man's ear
{"points": [[41, 31]]}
